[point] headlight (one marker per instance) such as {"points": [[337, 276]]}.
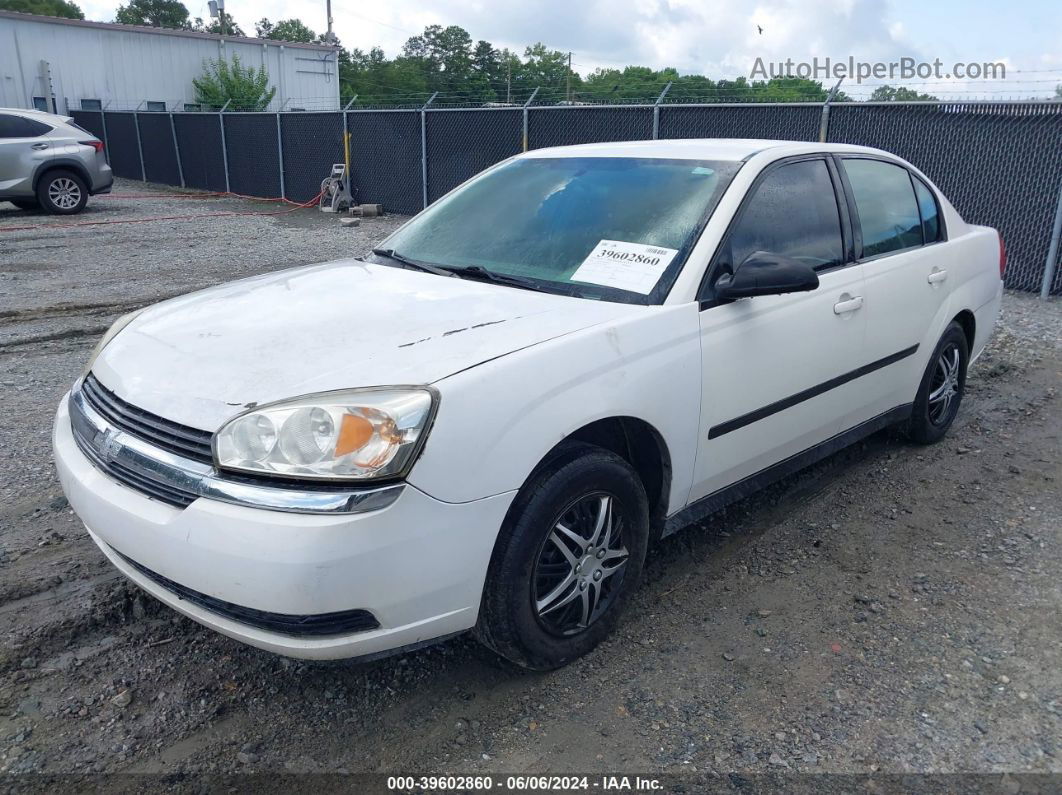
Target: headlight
{"points": [[351, 435], [111, 333]]}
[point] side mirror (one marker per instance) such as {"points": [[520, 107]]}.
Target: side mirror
{"points": [[764, 273]]}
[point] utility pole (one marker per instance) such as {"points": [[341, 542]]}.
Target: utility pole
{"points": [[569, 91], [508, 80], [330, 37]]}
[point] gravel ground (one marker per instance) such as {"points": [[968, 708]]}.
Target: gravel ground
{"points": [[894, 609]]}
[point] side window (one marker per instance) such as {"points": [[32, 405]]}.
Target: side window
{"points": [[885, 202], [929, 210], [793, 212], [18, 127]]}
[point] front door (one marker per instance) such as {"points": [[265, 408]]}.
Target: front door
{"points": [[777, 370]]}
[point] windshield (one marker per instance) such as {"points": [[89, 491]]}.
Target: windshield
{"points": [[613, 228]]}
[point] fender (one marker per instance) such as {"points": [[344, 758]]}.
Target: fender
{"points": [[69, 163], [488, 435]]}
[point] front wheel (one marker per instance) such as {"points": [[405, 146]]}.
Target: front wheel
{"points": [[943, 385], [62, 193], [567, 560]]}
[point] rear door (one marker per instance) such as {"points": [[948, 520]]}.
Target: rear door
{"points": [[899, 241], [773, 367], [24, 145]]}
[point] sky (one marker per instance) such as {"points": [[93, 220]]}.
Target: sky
{"points": [[713, 37]]}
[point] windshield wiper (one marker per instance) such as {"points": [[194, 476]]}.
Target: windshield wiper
{"points": [[479, 273], [390, 253]]}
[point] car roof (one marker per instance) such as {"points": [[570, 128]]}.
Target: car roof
{"points": [[698, 149], [41, 113]]}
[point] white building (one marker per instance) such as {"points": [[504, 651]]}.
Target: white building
{"points": [[60, 64]]}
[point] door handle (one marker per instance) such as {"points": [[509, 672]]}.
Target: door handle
{"points": [[40, 146], [848, 305], [937, 275]]}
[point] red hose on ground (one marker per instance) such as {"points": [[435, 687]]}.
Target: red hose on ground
{"points": [[297, 206]]}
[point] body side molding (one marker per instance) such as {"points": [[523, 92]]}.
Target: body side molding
{"points": [[717, 500], [773, 408]]}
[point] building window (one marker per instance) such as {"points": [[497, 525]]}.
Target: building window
{"points": [[91, 104], [41, 103], [191, 107], [159, 107]]}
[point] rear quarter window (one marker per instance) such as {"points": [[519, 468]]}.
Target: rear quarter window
{"points": [[929, 210]]}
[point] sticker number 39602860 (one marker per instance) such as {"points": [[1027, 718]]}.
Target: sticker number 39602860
{"points": [[626, 266]]}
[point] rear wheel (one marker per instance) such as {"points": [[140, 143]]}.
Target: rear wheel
{"points": [[943, 385], [62, 192], [569, 556]]}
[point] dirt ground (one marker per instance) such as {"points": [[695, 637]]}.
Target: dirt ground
{"points": [[895, 609]]}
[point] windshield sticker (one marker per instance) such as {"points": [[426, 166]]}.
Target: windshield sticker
{"points": [[702, 171], [626, 266]]}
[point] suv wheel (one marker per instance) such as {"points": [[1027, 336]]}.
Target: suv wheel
{"points": [[62, 192], [942, 388], [569, 556]]}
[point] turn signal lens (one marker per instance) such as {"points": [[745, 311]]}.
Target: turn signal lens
{"points": [[356, 435]]}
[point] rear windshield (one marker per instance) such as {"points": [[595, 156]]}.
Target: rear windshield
{"points": [[598, 227]]}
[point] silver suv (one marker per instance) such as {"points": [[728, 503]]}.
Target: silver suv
{"points": [[49, 162]]}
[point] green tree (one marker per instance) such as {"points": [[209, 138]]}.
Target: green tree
{"points": [[446, 60], [1058, 91], [215, 26], [548, 69], [376, 80], [246, 87], [47, 8], [899, 94], [153, 13], [285, 30]]}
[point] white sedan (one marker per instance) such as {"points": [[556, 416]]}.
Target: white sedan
{"points": [[484, 424]]}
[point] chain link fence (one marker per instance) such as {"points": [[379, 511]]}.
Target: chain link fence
{"points": [[1000, 163]]}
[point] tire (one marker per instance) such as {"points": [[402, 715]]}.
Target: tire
{"points": [[943, 385], [62, 192], [540, 611], [25, 204]]}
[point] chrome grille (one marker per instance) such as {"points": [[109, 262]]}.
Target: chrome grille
{"points": [[180, 439], [160, 491]]}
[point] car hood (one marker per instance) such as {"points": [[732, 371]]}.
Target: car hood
{"points": [[203, 358]]}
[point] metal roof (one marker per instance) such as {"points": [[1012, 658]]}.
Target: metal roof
{"points": [[18, 16]]}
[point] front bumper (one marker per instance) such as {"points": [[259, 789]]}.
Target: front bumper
{"points": [[417, 566]]}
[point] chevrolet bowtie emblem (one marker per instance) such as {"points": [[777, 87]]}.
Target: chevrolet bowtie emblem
{"points": [[108, 445]]}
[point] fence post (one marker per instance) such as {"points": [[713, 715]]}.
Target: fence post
{"points": [[139, 145], [530, 99], [177, 149], [424, 150], [824, 124], [1052, 251], [346, 142], [224, 148], [656, 111], [280, 156], [106, 141]]}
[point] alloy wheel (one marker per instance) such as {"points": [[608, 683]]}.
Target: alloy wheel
{"points": [[944, 388], [64, 193], [581, 565]]}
